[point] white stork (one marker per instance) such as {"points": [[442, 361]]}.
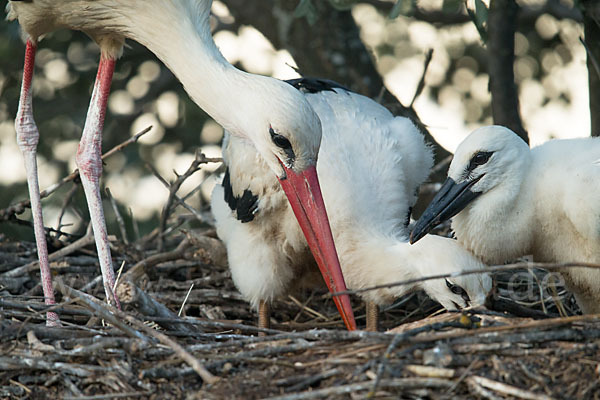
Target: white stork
{"points": [[270, 115], [509, 201], [370, 165]]}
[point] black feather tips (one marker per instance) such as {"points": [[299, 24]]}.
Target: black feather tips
{"points": [[244, 206], [315, 85]]}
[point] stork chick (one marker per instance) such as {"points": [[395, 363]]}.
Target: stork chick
{"points": [[509, 201], [370, 165]]}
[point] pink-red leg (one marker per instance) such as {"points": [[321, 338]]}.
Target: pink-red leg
{"points": [[27, 139], [89, 162]]}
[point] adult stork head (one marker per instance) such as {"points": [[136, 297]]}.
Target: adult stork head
{"points": [[287, 133], [487, 169]]}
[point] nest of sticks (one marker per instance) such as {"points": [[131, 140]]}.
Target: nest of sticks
{"points": [[185, 332]]}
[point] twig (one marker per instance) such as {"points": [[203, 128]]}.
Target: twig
{"points": [[403, 383], [32, 266], [217, 324], [199, 159], [421, 84], [114, 315], [139, 269], [591, 56], [178, 199], [30, 363], [64, 206], [118, 216], [496, 268], [109, 396], [98, 308], [507, 389], [118, 276], [185, 300], [311, 380], [404, 337], [145, 304]]}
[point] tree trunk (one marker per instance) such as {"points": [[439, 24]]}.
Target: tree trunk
{"points": [[591, 21], [502, 19]]}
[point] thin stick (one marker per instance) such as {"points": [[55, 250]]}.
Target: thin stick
{"points": [[118, 216], [184, 300], [404, 383], [32, 266], [178, 199], [496, 268], [102, 310], [507, 389], [139, 269], [64, 206], [118, 276], [116, 316], [421, 84], [591, 56]]}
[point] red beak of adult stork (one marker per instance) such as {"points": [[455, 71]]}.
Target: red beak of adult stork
{"points": [[304, 194]]}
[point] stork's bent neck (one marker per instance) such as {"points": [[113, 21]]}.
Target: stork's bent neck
{"points": [[178, 33]]}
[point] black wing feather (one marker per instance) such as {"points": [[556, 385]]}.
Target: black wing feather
{"points": [[315, 85], [244, 206]]}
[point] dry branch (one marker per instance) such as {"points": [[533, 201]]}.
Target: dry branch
{"points": [[143, 303], [34, 265], [403, 383], [115, 316]]}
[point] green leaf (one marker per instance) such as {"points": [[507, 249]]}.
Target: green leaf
{"points": [[451, 6], [481, 12], [343, 4], [307, 10], [479, 18], [403, 7]]}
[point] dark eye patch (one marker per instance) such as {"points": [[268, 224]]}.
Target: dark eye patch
{"points": [[456, 289], [283, 143], [479, 158]]}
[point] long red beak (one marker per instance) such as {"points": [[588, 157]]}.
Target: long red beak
{"points": [[304, 194]]}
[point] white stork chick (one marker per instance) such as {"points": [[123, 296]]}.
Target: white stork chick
{"points": [[509, 201], [269, 114], [370, 165]]}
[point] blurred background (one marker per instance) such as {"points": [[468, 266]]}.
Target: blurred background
{"points": [[378, 48]]}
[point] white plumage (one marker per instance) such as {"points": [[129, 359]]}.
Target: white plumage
{"points": [[370, 166], [543, 202]]}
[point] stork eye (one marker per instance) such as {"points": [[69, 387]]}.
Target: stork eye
{"points": [[458, 291], [480, 158], [279, 140]]}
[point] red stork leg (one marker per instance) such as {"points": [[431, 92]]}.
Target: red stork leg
{"points": [[27, 139], [89, 162]]}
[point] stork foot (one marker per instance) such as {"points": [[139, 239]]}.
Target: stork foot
{"points": [[372, 311], [264, 316]]}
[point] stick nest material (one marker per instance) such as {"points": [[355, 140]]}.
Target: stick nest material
{"points": [[540, 349]]}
